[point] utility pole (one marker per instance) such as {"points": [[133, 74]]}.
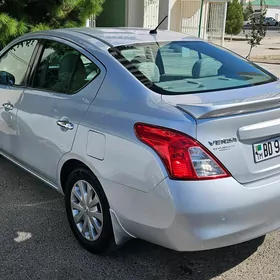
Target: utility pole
{"points": [[200, 19]]}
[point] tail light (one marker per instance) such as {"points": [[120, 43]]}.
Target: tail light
{"points": [[183, 157]]}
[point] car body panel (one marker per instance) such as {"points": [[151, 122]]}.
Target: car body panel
{"points": [[38, 112], [126, 36], [144, 202], [11, 95], [194, 216], [8, 123], [128, 161], [236, 111]]}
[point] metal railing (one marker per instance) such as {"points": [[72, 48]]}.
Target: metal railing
{"points": [[190, 16], [215, 29], [205, 19], [92, 21], [151, 13]]}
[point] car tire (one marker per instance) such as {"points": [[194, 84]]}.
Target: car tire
{"points": [[94, 234], [276, 24]]}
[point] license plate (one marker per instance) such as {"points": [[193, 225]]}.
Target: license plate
{"points": [[266, 150]]}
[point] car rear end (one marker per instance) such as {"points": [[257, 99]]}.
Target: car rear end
{"points": [[223, 183]]}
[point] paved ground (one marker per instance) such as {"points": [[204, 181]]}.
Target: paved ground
{"points": [[271, 31], [36, 243], [270, 46], [273, 68]]}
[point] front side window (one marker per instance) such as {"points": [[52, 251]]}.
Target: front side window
{"points": [[63, 69], [15, 62], [188, 67]]}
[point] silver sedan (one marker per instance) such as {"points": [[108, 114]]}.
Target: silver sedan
{"points": [[160, 136]]}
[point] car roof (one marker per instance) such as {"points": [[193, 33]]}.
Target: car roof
{"points": [[113, 37]]}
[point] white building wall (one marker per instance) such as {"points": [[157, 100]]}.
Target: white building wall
{"points": [[185, 15], [135, 13], [273, 13], [163, 12], [139, 15]]}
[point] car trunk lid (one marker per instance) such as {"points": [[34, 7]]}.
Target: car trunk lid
{"points": [[232, 123]]}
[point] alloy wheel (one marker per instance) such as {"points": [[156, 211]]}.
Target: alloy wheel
{"points": [[86, 210]]}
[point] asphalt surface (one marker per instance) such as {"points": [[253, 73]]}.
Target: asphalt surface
{"points": [[272, 31], [272, 68], [36, 243]]}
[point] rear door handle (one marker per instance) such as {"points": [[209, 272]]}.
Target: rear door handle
{"points": [[8, 106], [66, 124]]}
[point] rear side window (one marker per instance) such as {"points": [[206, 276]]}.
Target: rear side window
{"points": [[188, 67], [63, 69], [184, 59]]}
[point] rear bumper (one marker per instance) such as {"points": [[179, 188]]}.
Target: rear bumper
{"points": [[193, 216]]}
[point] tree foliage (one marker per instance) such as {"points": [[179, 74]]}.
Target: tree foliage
{"points": [[20, 16], [257, 27], [248, 11], [235, 19]]}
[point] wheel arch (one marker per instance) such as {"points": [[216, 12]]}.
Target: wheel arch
{"points": [[68, 163], [69, 166], [121, 236]]}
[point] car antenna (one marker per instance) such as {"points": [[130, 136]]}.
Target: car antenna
{"points": [[154, 31]]}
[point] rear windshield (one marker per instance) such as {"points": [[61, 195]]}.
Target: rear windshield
{"points": [[188, 67]]}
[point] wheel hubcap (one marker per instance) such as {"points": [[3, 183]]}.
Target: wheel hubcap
{"points": [[86, 210]]}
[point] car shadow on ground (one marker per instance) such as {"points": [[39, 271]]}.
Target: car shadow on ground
{"points": [[36, 243], [202, 265]]}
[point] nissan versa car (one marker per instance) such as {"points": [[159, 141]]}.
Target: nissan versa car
{"points": [[151, 135]]}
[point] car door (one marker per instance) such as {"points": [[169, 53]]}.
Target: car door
{"points": [[65, 81], [14, 68]]}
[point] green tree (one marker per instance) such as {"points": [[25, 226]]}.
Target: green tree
{"points": [[248, 11], [20, 16], [257, 27], [235, 18], [10, 28]]}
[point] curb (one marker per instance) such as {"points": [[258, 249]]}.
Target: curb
{"points": [[266, 62], [235, 39]]}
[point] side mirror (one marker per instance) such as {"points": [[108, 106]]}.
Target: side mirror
{"points": [[7, 78]]}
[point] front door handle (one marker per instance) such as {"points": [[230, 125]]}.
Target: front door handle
{"points": [[65, 124], [8, 106]]}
